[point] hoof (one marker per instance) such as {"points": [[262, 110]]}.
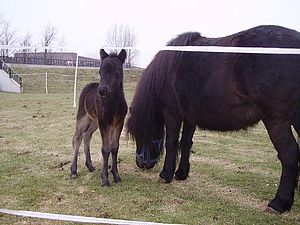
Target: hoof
{"points": [[91, 169], [180, 176], [271, 210], [117, 180], [73, 175], [163, 181], [105, 184], [166, 178]]}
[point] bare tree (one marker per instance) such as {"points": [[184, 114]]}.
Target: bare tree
{"points": [[1, 25], [48, 36], [26, 41], [8, 37], [123, 36]]}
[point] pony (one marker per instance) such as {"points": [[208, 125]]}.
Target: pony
{"points": [[221, 92], [102, 105]]}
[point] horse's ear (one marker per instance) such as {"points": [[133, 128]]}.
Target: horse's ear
{"points": [[103, 54], [122, 55]]}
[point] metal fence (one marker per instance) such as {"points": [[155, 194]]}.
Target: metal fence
{"points": [[54, 62], [11, 73]]}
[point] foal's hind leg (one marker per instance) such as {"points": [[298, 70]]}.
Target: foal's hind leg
{"points": [[81, 126], [186, 143], [87, 136], [288, 153]]}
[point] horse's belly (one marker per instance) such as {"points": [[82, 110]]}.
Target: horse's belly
{"points": [[228, 118]]}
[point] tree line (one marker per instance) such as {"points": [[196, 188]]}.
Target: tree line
{"points": [[118, 35]]}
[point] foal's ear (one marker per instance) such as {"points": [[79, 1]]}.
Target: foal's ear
{"points": [[122, 55], [103, 54]]}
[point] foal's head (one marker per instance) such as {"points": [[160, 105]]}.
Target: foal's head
{"points": [[111, 73]]}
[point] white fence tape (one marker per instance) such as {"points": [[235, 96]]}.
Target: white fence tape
{"points": [[224, 49], [82, 219]]}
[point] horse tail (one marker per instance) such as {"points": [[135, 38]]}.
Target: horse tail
{"points": [[146, 116]]}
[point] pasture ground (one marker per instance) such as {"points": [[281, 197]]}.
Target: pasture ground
{"points": [[233, 175]]}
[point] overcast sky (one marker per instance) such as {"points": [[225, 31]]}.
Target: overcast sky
{"points": [[84, 23]]}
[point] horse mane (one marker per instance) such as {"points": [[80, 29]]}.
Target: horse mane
{"points": [[145, 107]]}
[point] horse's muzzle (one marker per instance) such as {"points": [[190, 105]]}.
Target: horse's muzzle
{"points": [[147, 157], [103, 90]]}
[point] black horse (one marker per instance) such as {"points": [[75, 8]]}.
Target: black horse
{"points": [[102, 105], [223, 92]]}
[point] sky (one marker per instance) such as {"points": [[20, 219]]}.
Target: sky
{"points": [[84, 24]]}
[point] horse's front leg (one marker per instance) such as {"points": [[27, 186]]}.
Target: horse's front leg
{"points": [[105, 150], [186, 143], [172, 135]]}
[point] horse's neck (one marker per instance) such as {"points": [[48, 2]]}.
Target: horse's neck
{"points": [[116, 99]]}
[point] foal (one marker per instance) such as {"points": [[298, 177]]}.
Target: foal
{"points": [[102, 105]]}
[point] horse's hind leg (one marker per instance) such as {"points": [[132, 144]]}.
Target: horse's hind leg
{"points": [[81, 126], [186, 143], [87, 136], [296, 125], [296, 120], [288, 152]]}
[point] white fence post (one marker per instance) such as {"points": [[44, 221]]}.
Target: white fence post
{"points": [[75, 81], [46, 83]]}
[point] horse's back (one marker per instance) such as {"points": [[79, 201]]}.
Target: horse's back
{"points": [[232, 91], [261, 36]]}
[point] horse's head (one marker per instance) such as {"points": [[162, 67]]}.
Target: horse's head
{"points": [[148, 153], [111, 72]]}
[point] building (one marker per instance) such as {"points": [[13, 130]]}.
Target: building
{"points": [[52, 58]]}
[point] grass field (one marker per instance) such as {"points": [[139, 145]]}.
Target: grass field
{"points": [[232, 178]]}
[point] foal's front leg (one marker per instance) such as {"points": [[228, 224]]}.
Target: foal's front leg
{"points": [[114, 152], [105, 150]]}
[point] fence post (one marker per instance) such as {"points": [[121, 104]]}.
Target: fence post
{"points": [[46, 83], [75, 81]]}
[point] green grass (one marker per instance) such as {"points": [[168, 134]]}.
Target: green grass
{"points": [[232, 178]]}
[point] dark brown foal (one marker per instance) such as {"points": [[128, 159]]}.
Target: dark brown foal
{"points": [[102, 105]]}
